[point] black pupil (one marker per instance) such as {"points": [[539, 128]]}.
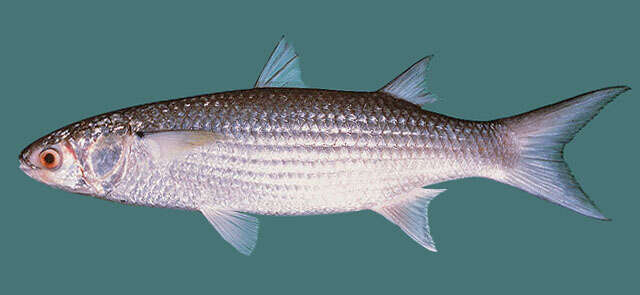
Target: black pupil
{"points": [[49, 158]]}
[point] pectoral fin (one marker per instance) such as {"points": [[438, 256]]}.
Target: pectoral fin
{"points": [[410, 214], [240, 230], [168, 145]]}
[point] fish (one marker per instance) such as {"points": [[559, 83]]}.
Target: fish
{"points": [[281, 148]]}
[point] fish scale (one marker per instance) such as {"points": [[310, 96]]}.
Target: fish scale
{"points": [[296, 154], [283, 149]]}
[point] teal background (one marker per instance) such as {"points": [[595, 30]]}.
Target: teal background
{"points": [[62, 61]]}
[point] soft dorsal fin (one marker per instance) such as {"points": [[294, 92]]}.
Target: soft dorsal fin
{"points": [[282, 68], [411, 84], [239, 229], [410, 214]]}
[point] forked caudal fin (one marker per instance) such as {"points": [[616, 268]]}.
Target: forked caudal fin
{"points": [[541, 135]]}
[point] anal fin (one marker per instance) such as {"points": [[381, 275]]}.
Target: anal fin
{"points": [[238, 229], [410, 214]]}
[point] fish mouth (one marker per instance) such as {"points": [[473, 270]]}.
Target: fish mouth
{"points": [[34, 173], [27, 169]]}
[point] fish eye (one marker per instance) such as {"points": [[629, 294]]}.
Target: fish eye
{"points": [[50, 158]]}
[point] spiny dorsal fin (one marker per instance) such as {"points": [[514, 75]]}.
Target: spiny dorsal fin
{"points": [[240, 230], [410, 214], [282, 68], [411, 84]]}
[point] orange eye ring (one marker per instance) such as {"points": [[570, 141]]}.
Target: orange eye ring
{"points": [[50, 158]]}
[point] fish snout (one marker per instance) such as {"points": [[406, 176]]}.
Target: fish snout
{"points": [[25, 163], [29, 170]]}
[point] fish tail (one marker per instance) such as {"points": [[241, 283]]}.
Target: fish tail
{"points": [[540, 137]]}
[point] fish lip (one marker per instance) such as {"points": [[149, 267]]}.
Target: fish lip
{"points": [[28, 169], [26, 166], [23, 158], [33, 173]]}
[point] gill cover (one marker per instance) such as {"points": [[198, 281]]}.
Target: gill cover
{"points": [[104, 161]]}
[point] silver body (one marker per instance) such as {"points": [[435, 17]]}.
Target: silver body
{"points": [[303, 151], [283, 149]]}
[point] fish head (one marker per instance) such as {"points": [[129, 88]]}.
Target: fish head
{"points": [[55, 163], [85, 158]]}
